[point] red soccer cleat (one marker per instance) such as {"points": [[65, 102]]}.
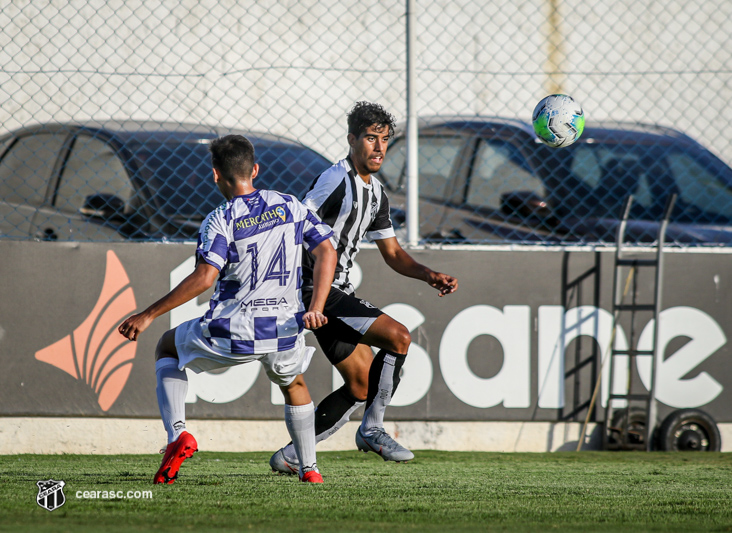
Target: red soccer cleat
{"points": [[183, 448], [311, 476]]}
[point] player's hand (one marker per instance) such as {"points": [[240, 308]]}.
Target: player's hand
{"points": [[134, 325], [443, 283], [314, 320]]}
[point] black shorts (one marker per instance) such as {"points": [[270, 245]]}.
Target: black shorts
{"points": [[348, 319]]}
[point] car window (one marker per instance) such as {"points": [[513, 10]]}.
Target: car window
{"points": [[288, 169], [586, 165], [437, 158], [499, 168], [178, 176], [26, 168], [92, 168], [698, 186], [181, 183], [391, 169], [611, 172]]}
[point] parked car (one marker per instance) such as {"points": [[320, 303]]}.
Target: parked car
{"points": [[489, 180], [128, 180]]}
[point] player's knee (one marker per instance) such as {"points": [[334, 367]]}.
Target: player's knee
{"points": [[401, 339], [296, 392], [298, 384], [297, 381]]}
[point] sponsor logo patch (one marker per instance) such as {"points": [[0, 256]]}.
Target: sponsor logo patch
{"points": [[267, 218]]}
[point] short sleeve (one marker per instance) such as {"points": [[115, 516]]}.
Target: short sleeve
{"points": [[327, 195], [315, 231], [213, 240]]}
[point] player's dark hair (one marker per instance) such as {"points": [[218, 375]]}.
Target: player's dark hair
{"points": [[232, 156], [365, 114]]}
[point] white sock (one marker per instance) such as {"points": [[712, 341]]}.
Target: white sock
{"points": [[300, 422], [373, 417], [171, 390], [289, 450]]}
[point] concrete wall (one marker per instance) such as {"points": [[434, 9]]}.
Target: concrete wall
{"points": [[134, 436], [116, 436]]}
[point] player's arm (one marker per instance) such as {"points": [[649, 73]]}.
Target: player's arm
{"points": [[323, 274], [198, 282], [403, 263]]}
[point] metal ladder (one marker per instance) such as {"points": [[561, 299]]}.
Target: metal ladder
{"points": [[583, 288], [633, 429]]}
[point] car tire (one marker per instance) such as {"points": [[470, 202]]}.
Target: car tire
{"points": [[689, 430]]}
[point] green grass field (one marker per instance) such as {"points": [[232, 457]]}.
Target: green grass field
{"points": [[438, 491]]}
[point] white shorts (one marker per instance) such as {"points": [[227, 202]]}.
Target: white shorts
{"points": [[196, 354]]}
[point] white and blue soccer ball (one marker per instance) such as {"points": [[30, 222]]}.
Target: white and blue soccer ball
{"points": [[558, 120]]}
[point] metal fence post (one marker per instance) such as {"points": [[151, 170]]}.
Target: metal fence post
{"points": [[412, 135]]}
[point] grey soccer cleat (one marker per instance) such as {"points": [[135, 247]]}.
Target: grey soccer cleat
{"points": [[282, 464], [382, 443]]}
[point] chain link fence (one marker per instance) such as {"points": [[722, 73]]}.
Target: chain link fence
{"points": [[107, 108]]}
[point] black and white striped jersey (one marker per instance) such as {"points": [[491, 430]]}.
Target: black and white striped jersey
{"points": [[354, 209]]}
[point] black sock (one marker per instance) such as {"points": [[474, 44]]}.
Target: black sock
{"points": [[334, 411]]}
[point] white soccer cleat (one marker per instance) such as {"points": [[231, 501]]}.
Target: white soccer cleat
{"points": [[281, 464], [382, 443]]}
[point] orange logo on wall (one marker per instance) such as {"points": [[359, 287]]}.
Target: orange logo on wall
{"points": [[95, 352]]}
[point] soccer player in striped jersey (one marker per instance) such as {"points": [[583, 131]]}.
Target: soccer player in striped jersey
{"points": [[353, 202], [253, 243]]}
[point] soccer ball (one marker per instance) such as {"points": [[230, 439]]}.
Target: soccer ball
{"points": [[558, 120]]}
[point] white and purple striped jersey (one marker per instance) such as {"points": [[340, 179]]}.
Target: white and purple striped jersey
{"points": [[354, 209], [256, 242]]}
